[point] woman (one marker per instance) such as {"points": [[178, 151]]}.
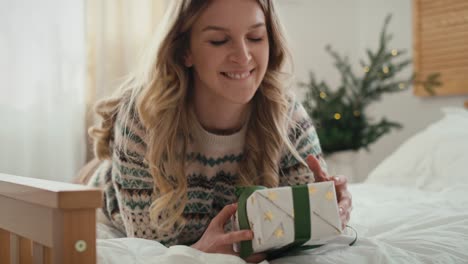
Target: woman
{"points": [[206, 111]]}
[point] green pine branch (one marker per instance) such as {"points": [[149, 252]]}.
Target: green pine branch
{"points": [[340, 114]]}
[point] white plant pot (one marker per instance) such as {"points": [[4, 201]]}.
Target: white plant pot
{"points": [[344, 163]]}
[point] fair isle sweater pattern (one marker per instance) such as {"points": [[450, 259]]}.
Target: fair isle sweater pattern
{"points": [[213, 162]]}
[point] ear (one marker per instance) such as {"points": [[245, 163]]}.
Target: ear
{"points": [[188, 61]]}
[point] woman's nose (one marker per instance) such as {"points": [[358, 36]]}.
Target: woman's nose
{"points": [[241, 53]]}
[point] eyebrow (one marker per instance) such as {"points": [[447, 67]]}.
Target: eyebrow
{"points": [[261, 24]]}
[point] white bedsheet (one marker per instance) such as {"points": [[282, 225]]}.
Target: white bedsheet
{"points": [[408, 211], [395, 225]]}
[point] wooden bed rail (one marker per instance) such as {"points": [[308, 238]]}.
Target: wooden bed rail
{"points": [[47, 222]]}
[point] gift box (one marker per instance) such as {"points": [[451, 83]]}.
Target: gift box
{"points": [[285, 218]]}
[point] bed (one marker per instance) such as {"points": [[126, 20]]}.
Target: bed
{"points": [[413, 208], [47, 222]]}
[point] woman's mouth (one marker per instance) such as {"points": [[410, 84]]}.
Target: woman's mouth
{"points": [[238, 75]]}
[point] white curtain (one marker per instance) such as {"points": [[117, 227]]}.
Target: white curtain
{"points": [[42, 73], [117, 31]]}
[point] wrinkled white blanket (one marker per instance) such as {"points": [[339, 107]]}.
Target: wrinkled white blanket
{"points": [[395, 225], [412, 209]]}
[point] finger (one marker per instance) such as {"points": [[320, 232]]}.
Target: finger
{"points": [[344, 195], [315, 167], [256, 258], [343, 224], [340, 191], [224, 215], [345, 205], [340, 180], [345, 219], [342, 214], [236, 236], [341, 186], [345, 211]]}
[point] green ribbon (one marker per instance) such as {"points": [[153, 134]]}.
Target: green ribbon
{"points": [[243, 193], [302, 230]]}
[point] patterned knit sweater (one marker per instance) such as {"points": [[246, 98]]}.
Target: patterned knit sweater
{"points": [[211, 172]]}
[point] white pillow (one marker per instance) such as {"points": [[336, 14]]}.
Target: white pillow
{"points": [[433, 159]]}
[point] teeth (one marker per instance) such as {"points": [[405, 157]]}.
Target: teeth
{"points": [[237, 76]]}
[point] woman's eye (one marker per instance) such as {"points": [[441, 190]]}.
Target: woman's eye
{"points": [[255, 39], [218, 43]]}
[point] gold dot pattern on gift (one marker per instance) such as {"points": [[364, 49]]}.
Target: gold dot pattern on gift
{"points": [[329, 195], [279, 232], [251, 224], [272, 195], [312, 189], [268, 215], [252, 200]]}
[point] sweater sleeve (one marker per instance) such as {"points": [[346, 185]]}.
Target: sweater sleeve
{"points": [[132, 181], [305, 141]]}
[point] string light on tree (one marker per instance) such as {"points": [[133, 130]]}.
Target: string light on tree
{"points": [[341, 119], [385, 69]]}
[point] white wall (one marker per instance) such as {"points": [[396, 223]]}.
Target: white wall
{"points": [[351, 27]]}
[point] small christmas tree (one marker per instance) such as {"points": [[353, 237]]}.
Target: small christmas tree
{"points": [[340, 115]]}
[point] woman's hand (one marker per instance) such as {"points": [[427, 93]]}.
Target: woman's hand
{"points": [[341, 188], [215, 240]]}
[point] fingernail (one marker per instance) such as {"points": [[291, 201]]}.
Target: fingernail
{"points": [[341, 210], [337, 178]]}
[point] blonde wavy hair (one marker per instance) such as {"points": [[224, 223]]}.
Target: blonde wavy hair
{"points": [[159, 90]]}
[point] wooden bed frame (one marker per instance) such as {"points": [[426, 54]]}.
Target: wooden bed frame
{"points": [[47, 222]]}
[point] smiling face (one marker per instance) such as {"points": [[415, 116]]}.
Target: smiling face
{"points": [[228, 51]]}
